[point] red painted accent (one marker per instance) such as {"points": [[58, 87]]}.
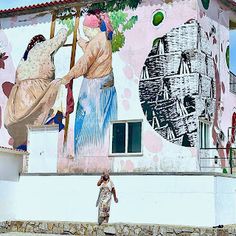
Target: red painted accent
{"points": [[223, 87], [69, 99], [6, 88], [0, 117], [233, 129], [228, 146]]}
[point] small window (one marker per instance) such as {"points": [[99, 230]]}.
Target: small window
{"points": [[126, 137], [204, 134]]}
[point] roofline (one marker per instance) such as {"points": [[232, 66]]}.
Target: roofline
{"points": [[48, 6], [55, 5], [13, 151]]}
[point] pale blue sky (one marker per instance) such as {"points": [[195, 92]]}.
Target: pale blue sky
{"points": [[233, 51], [6, 4]]}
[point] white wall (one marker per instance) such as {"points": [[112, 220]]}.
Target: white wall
{"points": [[10, 165], [7, 200], [42, 146], [225, 200], [179, 200]]}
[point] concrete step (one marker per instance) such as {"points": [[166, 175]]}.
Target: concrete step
{"points": [[27, 234]]}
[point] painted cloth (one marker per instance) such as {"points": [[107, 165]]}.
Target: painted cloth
{"points": [[104, 201], [96, 61], [35, 90], [100, 20], [96, 107]]}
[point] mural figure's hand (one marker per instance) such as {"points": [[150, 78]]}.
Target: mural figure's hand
{"points": [[64, 81], [116, 200], [78, 35]]}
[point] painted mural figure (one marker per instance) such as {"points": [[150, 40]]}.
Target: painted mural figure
{"points": [[35, 89], [97, 102], [107, 189]]}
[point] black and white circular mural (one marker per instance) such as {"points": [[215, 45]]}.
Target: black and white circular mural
{"points": [[177, 84]]}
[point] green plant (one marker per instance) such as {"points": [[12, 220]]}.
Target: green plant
{"points": [[225, 171], [120, 23], [66, 18], [119, 19], [69, 23], [227, 56], [115, 5]]}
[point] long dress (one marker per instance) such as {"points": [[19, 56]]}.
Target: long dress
{"points": [[35, 89], [96, 107], [97, 101], [104, 201]]}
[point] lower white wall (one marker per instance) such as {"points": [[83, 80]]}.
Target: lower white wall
{"points": [[225, 200], [180, 200], [11, 165], [8, 200]]}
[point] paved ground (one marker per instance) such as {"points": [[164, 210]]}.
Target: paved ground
{"points": [[27, 234]]}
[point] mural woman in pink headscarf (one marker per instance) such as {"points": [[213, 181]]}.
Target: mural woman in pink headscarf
{"points": [[97, 102]]}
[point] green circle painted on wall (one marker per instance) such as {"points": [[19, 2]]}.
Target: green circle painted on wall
{"points": [[157, 17], [227, 56], [206, 4]]}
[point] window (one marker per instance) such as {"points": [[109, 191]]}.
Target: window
{"points": [[204, 134], [126, 137], [232, 86]]}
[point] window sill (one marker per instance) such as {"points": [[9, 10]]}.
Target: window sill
{"points": [[125, 154]]}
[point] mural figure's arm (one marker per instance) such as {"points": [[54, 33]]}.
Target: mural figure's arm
{"points": [[84, 63], [56, 42], [82, 42]]}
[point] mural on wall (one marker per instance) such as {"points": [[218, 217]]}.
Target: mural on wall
{"points": [[3, 57], [35, 89], [33, 98], [214, 18], [97, 103], [180, 82], [177, 83]]}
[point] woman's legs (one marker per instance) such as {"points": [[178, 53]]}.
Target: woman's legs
{"points": [[100, 220], [106, 219]]}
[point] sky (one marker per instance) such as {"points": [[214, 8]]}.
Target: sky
{"points": [[6, 4], [233, 51]]}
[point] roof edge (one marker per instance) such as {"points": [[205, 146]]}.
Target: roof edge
{"points": [[13, 151], [48, 6]]}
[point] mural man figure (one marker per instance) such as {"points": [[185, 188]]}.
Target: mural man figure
{"points": [[97, 102]]}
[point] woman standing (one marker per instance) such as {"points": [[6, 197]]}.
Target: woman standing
{"points": [[97, 102], [107, 189]]}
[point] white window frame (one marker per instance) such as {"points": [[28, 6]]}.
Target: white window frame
{"points": [[126, 153], [202, 135]]}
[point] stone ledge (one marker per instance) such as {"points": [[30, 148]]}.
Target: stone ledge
{"points": [[213, 174], [118, 229]]}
